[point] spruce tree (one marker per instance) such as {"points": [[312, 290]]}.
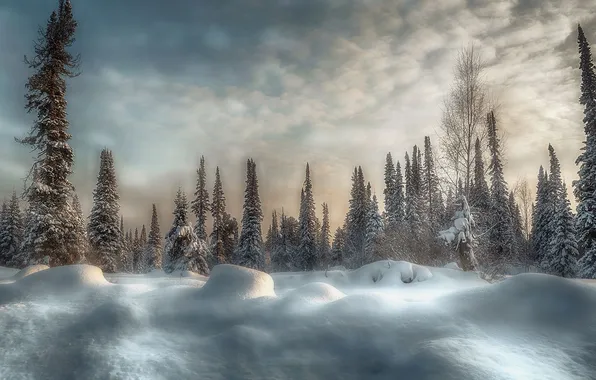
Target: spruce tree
{"points": [[585, 187], [12, 233], [563, 252], [541, 217], [283, 256], [250, 247], [136, 252], [433, 198], [229, 237], [308, 242], [4, 257], [519, 241], [81, 227], [272, 233], [374, 229], [398, 196], [200, 205], [218, 211], [501, 232], [183, 249], [338, 247], [105, 245], [325, 244], [356, 220], [51, 231], [390, 192], [153, 251]]}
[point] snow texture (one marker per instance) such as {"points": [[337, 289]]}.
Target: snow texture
{"points": [[413, 323]]}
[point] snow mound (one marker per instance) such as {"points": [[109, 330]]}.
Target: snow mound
{"points": [[29, 270], [452, 265], [64, 278], [308, 296], [231, 281]]}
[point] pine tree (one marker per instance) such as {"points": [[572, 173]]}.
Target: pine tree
{"points": [[325, 244], [218, 211], [390, 192], [308, 242], [399, 197], [563, 250], [541, 217], [105, 245], [338, 247], [479, 193], [585, 187], [153, 249], [374, 229], [434, 201], [183, 249], [4, 257], [200, 205], [356, 220], [501, 233], [416, 218], [51, 231], [11, 235], [250, 248], [81, 228], [519, 240], [272, 233]]}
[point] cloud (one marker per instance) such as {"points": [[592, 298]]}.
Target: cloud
{"points": [[337, 83]]}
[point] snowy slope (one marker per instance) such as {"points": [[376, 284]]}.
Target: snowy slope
{"points": [[70, 323]]}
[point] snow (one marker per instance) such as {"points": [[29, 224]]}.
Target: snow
{"points": [[385, 320]]}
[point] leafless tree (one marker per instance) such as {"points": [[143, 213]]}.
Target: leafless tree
{"points": [[525, 197], [465, 109]]}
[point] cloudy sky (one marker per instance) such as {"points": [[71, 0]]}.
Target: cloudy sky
{"points": [[336, 83]]}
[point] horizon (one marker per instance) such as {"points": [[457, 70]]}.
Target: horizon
{"points": [[334, 85]]}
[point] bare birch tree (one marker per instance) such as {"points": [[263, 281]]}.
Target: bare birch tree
{"points": [[465, 109]]}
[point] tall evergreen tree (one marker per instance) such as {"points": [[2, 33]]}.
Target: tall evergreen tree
{"points": [[308, 242], [519, 240], [283, 257], [250, 247], [390, 191], [541, 217], [4, 257], [51, 232], [11, 235], [153, 251], [218, 212], [398, 196], [433, 197], [585, 187], [272, 234], [325, 244], [338, 246], [183, 249], [563, 252], [356, 220], [479, 193], [374, 229], [105, 245], [501, 232], [229, 237], [81, 227], [200, 205]]}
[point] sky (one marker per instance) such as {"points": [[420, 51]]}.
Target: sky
{"points": [[336, 83]]}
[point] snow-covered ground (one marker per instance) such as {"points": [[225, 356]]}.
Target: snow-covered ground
{"points": [[387, 320]]}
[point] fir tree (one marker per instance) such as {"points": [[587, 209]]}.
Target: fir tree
{"points": [[398, 196], [433, 198], [12, 232], [308, 243], [356, 219], [51, 231], [479, 193], [585, 187], [105, 244], [4, 257], [338, 247], [563, 250], [519, 241], [325, 244], [272, 234], [218, 211], [153, 251], [390, 192], [541, 217], [200, 205], [250, 247], [283, 258], [183, 249], [501, 232], [81, 227], [229, 237], [142, 248], [374, 229]]}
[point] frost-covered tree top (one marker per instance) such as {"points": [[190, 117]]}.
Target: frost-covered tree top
{"points": [[200, 205]]}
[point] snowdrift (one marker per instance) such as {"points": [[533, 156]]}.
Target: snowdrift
{"points": [[245, 324]]}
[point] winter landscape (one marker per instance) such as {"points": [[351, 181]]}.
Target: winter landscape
{"points": [[449, 260]]}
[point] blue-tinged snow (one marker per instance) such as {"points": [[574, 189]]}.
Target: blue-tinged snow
{"points": [[386, 320]]}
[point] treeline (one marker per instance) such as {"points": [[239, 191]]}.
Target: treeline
{"points": [[463, 188]]}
